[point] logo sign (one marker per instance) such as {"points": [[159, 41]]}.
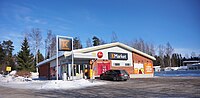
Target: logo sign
{"points": [[100, 54], [64, 44], [117, 56], [8, 68]]}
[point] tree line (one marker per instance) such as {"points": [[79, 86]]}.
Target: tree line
{"points": [[28, 57]]}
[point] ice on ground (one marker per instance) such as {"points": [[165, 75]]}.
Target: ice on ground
{"points": [[27, 83]]}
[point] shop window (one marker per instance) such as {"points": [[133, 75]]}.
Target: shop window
{"points": [[127, 64], [117, 64]]}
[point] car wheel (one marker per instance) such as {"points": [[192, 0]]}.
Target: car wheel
{"points": [[101, 77], [115, 78]]}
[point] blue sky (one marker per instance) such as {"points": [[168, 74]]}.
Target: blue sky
{"points": [[155, 21]]}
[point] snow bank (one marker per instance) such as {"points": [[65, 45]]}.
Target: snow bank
{"points": [[34, 75], [27, 83], [12, 78], [13, 72], [82, 83]]}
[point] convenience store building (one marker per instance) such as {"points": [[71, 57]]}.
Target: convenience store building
{"points": [[97, 60]]}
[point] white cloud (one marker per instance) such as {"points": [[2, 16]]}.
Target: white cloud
{"points": [[29, 19]]}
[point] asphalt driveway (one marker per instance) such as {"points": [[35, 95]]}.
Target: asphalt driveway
{"points": [[185, 87]]}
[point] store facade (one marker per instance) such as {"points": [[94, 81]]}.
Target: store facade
{"points": [[92, 61]]}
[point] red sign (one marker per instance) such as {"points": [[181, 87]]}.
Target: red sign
{"points": [[100, 54], [103, 67]]}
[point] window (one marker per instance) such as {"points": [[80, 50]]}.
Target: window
{"points": [[127, 64], [117, 64]]}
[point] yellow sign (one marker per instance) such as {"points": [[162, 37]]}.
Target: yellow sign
{"points": [[8, 68]]}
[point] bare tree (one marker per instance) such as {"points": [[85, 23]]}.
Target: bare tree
{"points": [[142, 46], [147, 48], [193, 54], [161, 51], [152, 50], [168, 52], [35, 39], [186, 56], [102, 41], [114, 37], [139, 45], [136, 45], [169, 49], [88, 43], [50, 44]]}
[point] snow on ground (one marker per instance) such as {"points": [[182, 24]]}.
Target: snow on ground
{"points": [[27, 83]]}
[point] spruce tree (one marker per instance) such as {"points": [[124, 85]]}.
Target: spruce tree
{"points": [[6, 55], [40, 56], [77, 43], [25, 59], [96, 41]]}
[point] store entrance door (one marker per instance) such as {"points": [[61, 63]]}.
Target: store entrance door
{"points": [[103, 67]]}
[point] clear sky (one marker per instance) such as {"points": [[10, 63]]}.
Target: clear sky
{"points": [[155, 21]]}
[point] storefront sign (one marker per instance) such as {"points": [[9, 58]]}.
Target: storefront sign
{"points": [[148, 68], [64, 44], [100, 54], [117, 56]]}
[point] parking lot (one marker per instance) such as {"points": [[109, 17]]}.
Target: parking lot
{"points": [[147, 87]]}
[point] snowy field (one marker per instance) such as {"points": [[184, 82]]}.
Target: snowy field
{"points": [[29, 83]]}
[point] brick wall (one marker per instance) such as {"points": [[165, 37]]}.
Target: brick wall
{"points": [[137, 58], [129, 69], [44, 71]]}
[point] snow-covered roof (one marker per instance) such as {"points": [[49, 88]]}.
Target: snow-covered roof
{"points": [[90, 49]]}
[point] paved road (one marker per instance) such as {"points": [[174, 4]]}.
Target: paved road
{"points": [[185, 87]]}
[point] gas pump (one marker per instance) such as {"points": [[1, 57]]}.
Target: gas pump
{"points": [[91, 71]]}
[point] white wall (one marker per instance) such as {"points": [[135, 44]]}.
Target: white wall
{"points": [[117, 50]]}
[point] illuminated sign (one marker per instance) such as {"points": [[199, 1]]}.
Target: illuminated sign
{"points": [[64, 44], [117, 56]]}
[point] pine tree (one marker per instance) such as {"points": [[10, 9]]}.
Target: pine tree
{"points": [[6, 55], [40, 59], [25, 59], [1, 57], [96, 41], [114, 37], [77, 43]]}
